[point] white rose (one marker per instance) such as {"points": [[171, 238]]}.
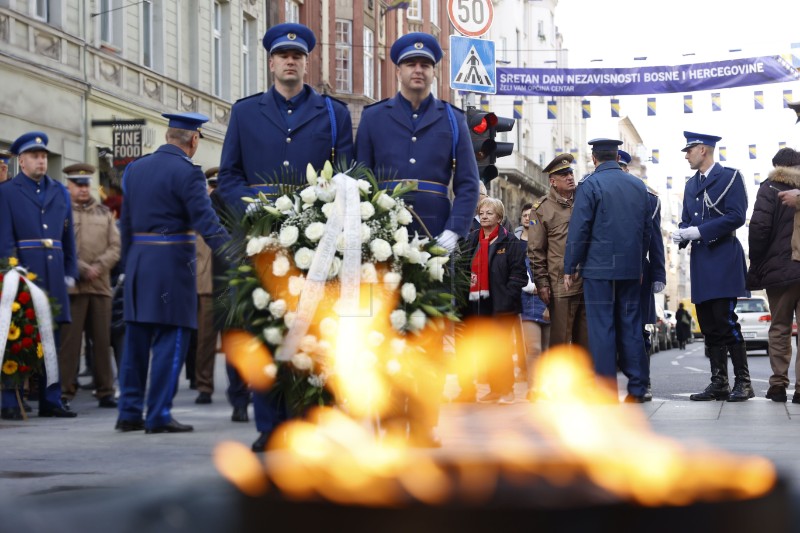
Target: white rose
{"points": [[416, 320], [398, 319], [253, 246], [277, 308], [302, 361], [368, 273], [380, 249], [288, 236], [271, 370], [401, 236], [288, 318], [280, 266], [311, 174], [364, 186], [329, 327], [314, 231], [284, 203], [296, 285], [435, 267], [327, 210], [308, 195], [303, 258], [414, 256], [366, 233], [325, 193], [409, 292], [273, 335], [401, 249], [336, 265], [267, 241], [393, 367], [392, 280], [260, 298], [398, 346], [308, 344], [386, 202], [404, 217], [367, 210], [375, 339]]}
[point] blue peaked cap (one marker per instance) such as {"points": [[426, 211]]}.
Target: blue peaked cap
{"points": [[289, 36], [605, 145], [186, 121], [699, 138], [416, 44], [624, 158], [5, 157], [33, 140]]}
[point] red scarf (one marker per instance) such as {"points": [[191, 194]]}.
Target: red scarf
{"points": [[479, 281]]}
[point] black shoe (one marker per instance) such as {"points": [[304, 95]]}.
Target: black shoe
{"points": [[57, 412], [631, 398], [10, 413], [711, 393], [260, 445], [173, 426], [203, 398], [796, 397], [742, 391], [108, 402], [648, 395], [129, 425], [777, 393], [240, 414], [65, 404]]}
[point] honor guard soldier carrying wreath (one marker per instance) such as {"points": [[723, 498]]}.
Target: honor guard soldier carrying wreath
{"points": [[165, 203], [714, 207]]}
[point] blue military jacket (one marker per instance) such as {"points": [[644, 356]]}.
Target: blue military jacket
{"points": [[653, 269], [717, 206], [609, 231], [37, 229], [260, 146], [165, 199], [394, 147]]}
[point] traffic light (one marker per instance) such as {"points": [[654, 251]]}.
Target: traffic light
{"points": [[483, 128]]}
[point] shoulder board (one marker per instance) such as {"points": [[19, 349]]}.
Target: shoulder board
{"points": [[455, 108], [731, 169], [539, 202], [342, 102], [651, 191], [376, 103], [248, 97]]}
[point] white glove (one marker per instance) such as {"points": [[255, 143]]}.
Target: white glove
{"points": [[676, 236], [658, 287], [448, 240], [690, 234], [69, 281], [121, 278], [530, 288]]}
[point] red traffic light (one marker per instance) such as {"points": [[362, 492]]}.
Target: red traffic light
{"points": [[480, 127]]}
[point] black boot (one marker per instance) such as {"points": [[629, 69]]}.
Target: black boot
{"points": [[742, 389], [719, 388]]}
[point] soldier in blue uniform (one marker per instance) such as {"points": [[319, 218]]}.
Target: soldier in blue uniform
{"points": [[415, 136], [271, 138], [609, 235], [5, 159], [165, 200], [714, 207], [36, 227], [654, 274]]}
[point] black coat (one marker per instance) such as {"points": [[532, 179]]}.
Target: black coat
{"points": [[770, 236], [507, 274]]}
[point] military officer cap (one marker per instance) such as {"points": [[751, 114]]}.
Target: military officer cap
{"points": [[693, 139], [186, 121], [28, 142], [605, 145], [624, 158], [795, 106], [5, 157], [289, 36], [416, 44], [79, 173], [562, 164], [211, 176]]}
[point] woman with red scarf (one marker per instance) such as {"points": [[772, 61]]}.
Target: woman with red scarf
{"points": [[498, 275]]}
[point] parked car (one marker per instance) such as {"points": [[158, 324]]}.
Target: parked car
{"points": [[665, 331], [652, 330], [673, 327], [755, 319]]}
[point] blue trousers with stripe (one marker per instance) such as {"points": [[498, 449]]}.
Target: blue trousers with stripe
{"points": [[169, 345], [614, 319]]}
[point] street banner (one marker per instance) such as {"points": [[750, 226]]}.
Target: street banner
{"points": [[645, 80]]}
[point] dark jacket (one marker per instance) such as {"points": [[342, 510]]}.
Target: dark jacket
{"points": [[507, 274], [770, 236]]}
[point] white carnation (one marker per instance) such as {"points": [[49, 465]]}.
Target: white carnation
{"points": [[308, 344], [277, 308], [327, 210], [364, 186], [260, 298], [303, 258], [416, 320], [380, 249], [314, 231], [329, 327], [435, 267], [308, 195], [302, 361], [284, 203], [288, 318], [409, 292], [288, 236], [367, 210], [397, 319], [296, 285], [386, 202], [280, 266], [368, 273], [273, 335], [404, 217], [392, 280], [401, 236], [271, 370], [366, 233]]}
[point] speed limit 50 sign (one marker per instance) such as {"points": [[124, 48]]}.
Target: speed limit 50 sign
{"points": [[472, 18]]}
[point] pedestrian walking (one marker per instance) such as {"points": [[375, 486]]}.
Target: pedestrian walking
{"points": [[683, 329]]}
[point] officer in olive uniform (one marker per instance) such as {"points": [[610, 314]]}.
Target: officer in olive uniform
{"points": [[609, 235], [547, 239], [36, 228], [714, 207], [165, 203]]}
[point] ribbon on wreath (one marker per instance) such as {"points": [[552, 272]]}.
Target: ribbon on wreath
{"points": [[41, 306], [346, 218]]}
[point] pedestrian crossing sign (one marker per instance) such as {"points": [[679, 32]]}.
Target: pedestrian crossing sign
{"points": [[472, 65]]}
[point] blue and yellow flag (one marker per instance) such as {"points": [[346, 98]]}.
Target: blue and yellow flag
{"points": [[781, 145], [758, 99], [723, 153], [787, 97], [586, 106], [397, 4], [796, 55], [687, 103], [716, 102], [518, 109], [615, 107], [752, 150], [669, 182], [651, 107], [573, 151], [484, 103], [655, 156], [552, 110], [644, 179], [757, 179]]}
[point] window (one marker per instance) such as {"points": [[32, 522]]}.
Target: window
{"points": [[414, 11], [41, 10], [292, 11], [106, 23], [379, 90], [246, 56], [503, 49], [434, 5], [369, 63], [344, 55], [217, 48], [147, 34]]}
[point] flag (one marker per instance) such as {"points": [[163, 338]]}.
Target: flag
{"points": [[655, 156], [687, 103], [669, 182], [651, 107], [758, 99], [723, 153], [757, 179], [644, 179], [518, 109], [396, 4], [484, 103], [787, 97], [796, 55], [752, 151], [573, 151], [781, 145], [586, 105], [716, 102], [615, 107], [552, 110]]}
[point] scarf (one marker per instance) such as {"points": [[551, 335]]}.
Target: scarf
{"points": [[479, 281]]}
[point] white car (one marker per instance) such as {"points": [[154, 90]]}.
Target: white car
{"points": [[755, 319]]}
